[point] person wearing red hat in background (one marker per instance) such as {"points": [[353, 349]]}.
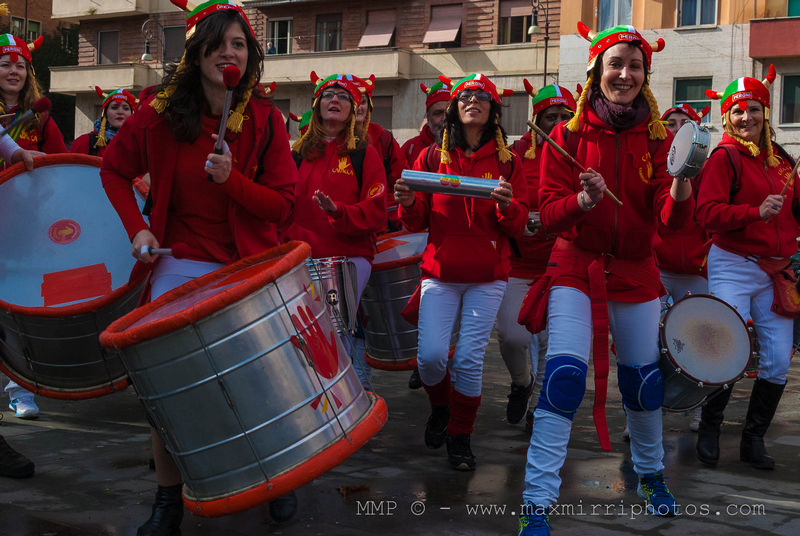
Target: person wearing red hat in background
{"points": [[339, 204], [750, 203], [302, 121], [221, 220], [523, 352], [682, 254], [438, 95], [394, 161], [465, 264], [602, 270], [117, 107]]}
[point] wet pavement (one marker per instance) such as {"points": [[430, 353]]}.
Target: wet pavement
{"points": [[92, 475]]}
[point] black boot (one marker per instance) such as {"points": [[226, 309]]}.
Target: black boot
{"points": [[708, 432], [283, 508], [12, 463], [436, 426], [763, 403], [167, 513]]}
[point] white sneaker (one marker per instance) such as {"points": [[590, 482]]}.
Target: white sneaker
{"points": [[694, 424], [24, 408]]}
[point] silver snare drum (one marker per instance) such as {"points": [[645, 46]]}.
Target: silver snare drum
{"points": [[705, 347], [335, 278], [688, 150]]}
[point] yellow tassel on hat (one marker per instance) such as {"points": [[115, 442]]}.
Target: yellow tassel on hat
{"points": [[161, 100], [575, 122], [502, 149], [236, 119], [655, 127], [530, 154], [101, 133], [4, 9], [445, 156]]}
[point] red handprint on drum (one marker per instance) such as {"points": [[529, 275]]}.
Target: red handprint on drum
{"points": [[324, 353]]}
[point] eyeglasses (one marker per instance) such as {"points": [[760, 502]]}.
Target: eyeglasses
{"points": [[329, 95], [482, 96]]}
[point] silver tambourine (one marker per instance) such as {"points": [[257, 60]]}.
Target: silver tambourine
{"points": [[441, 183], [688, 150]]}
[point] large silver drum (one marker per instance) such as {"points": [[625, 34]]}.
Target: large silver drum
{"points": [[63, 278], [705, 347], [244, 377]]}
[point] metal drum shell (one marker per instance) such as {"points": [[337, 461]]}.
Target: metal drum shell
{"points": [[53, 350], [442, 183], [232, 388], [686, 384], [688, 150]]}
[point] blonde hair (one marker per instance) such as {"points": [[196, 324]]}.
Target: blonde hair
{"points": [[314, 138], [30, 93]]}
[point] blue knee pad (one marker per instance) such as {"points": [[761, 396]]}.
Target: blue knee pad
{"points": [[564, 386], [642, 388]]}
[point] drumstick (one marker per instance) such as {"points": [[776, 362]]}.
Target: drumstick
{"points": [[568, 156], [230, 76], [41, 105], [179, 250]]}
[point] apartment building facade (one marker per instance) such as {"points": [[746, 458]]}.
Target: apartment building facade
{"points": [[709, 43], [29, 19], [125, 43]]}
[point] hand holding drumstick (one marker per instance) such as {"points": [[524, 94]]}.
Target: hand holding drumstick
{"points": [[577, 164]]}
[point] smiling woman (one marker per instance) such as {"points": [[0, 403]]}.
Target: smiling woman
{"points": [[234, 215]]}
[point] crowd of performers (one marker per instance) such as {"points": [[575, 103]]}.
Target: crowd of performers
{"points": [[584, 234]]}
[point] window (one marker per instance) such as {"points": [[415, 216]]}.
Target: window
{"points": [[280, 33], [329, 32], [793, 9], [108, 47], [34, 30], [696, 12], [692, 92], [790, 99], [174, 42], [613, 13], [516, 112], [69, 39], [382, 112], [380, 29], [17, 26], [515, 19], [444, 30]]}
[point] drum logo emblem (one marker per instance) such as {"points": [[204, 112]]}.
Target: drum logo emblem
{"points": [[318, 344], [678, 344], [450, 180], [64, 231]]}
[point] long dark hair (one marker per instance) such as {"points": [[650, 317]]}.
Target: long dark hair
{"points": [[187, 101], [455, 128]]}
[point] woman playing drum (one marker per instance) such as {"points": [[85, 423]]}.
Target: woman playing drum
{"points": [[221, 220], [465, 264], [602, 269], [339, 204], [749, 203]]}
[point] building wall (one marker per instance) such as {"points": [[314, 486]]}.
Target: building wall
{"points": [[38, 10]]}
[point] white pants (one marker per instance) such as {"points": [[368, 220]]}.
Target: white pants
{"points": [[524, 353], [678, 285], [635, 330], [440, 302], [743, 285]]}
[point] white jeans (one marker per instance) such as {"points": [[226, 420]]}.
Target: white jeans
{"points": [[522, 352], [678, 285], [746, 287], [635, 330], [440, 302]]}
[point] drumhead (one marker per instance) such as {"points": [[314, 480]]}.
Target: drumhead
{"points": [[707, 339], [396, 247], [681, 149], [62, 241]]}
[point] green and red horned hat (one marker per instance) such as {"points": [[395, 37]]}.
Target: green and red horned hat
{"points": [[345, 81], [684, 108], [476, 82], [302, 121], [740, 91], [197, 11], [15, 47], [550, 95], [599, 43], [438, 92]]}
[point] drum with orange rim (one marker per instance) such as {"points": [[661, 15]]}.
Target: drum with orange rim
{"points": [[391, 342], [63, 278], [242, 373]]}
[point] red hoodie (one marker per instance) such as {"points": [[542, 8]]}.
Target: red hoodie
{"points": [[684, 251], [360, 213], [624, 233], [468, 237], [534, 251], [415, 145], [735, 224]]}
